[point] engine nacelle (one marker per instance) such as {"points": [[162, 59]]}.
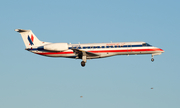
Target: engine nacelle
{"points": [[56, 47]]}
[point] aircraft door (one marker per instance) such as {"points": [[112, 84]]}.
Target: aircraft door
{"points": [[129, 48]]}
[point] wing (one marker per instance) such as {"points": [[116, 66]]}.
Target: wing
{"points": [[79, 53]]}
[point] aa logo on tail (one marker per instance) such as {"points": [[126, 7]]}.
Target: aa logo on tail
{"points": [[31, 40]]}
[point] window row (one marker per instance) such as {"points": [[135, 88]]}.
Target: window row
{"points": [[117, 46]]}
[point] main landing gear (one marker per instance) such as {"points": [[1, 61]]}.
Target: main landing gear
{"points": [[83, 63], [152, 59]]}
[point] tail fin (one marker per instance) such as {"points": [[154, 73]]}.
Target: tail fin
{"points": [[30, 40]]}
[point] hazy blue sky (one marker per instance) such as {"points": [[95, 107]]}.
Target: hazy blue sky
{"points": [[32, 81]]}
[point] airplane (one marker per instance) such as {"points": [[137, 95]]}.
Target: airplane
{"points": [[85, 51]]}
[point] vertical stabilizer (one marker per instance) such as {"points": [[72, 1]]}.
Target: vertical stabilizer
{"points": [[30, 40]]}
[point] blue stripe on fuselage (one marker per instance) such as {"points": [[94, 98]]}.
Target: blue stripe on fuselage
{"points": [[129, 46], [96, 47]]}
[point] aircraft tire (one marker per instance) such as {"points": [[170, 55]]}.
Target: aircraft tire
{"points": [[152, 59], [83, 63]]}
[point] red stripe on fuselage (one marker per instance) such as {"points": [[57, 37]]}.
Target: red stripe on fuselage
{"points": [[104, 51]]}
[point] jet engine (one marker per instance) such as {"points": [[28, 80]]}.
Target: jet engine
{"points": [[56, 47]]}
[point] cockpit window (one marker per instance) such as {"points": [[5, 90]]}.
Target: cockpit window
{"points": [[146, 44]]}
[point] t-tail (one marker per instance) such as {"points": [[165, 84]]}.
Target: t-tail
{"points": [[30, 40]]}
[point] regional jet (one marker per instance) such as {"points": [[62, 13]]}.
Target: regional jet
{"points": [[85, 51]]}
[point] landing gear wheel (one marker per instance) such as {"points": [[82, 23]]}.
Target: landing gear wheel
{"points": [[83, 63], [152, 59]]}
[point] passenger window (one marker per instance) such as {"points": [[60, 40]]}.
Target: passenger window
{"points": [[116, 46], [148, 44], [124, 46]]}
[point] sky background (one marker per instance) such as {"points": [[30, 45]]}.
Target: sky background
{"points": [[33, 81]]}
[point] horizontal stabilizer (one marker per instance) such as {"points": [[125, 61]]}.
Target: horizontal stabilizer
{"points": [[21, 30]]}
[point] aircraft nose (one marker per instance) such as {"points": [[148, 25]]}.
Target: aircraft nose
{"points": [[161, 50]]}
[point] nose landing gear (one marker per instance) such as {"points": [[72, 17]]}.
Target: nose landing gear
{"points": [[152, 59]]}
